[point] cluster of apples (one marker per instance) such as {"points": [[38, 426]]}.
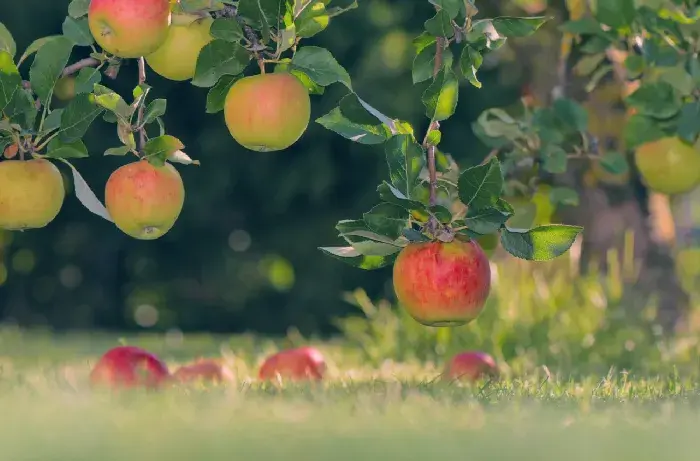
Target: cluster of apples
{"points": [[265, 112], [143, 200], [130, 366]]}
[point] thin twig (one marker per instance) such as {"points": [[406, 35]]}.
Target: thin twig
{"points": [[434, 125], [73, 68], [142, 106]]}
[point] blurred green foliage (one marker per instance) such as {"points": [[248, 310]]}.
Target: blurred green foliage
{"points": [[243, 255]]}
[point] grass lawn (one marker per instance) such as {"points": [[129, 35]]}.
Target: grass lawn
{"points": [[396, 411]]}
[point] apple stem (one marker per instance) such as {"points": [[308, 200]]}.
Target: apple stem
{"points": [[261, 65], [142, 106]]}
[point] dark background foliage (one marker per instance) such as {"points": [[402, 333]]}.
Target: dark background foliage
{"points": [[243, 255]]}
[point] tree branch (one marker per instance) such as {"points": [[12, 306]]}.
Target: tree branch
{"points": [[434, 125], [142, 106], [74, 68]]}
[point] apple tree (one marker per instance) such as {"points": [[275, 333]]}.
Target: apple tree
{"points": [[251, 58]]}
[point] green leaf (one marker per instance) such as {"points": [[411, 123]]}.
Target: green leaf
{"points": [[10, 80], [113, 102], [320, 65], [219, 58], [352, 121], [517, 27], [285, 66], [616, 13], [155, 109], [78, 31], [85, 195], [689, 122], [469, 63], [434, 137], [86, 80], [451, 7], [485, 221], [564, 195], [424, 62], [440, 98], [78, 8], [77, 117], [614, 162], [658, 100], [415, 236], [480, 186], [262, 14], [351, 256], [541, 243], [554, 159], [119, 151], [440, 25], [312, 20], [34, 47], [677, 77], [126, 134], [571, 113], [583, 26], [48, 65], [53, 120], [441, 213], [640, 129], [391, 194], [157, 150], [59, 149], [216, 98], [202, 6], [387, 219], [406, 159], [7, 42], [21, 109], [226, 29], [634, 64]]}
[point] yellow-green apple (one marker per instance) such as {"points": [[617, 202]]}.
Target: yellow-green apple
{"points": [[303, 363], [144, 200], [471, 366], [176, 58], [267, 112], [31, 193], [203, 370], [65, 88], [442, 284], [129, 28], [668, 165], [129, 366]]}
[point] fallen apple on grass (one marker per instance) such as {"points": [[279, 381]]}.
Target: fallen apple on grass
{"points": [[129, 28], [129, 366], [203, 370], [176, 58], [267, 112], [668, 165], [471, 366], [144, 200], [303, 363], [442, 284], [31, 193]]}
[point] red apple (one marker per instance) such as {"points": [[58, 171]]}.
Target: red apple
{"points": [[203, 370], [294, 364], [471, 366], [129, 366], [129, 28], [442, 284]]}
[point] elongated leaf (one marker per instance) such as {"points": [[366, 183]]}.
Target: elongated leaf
{"points": [[48, 65], [86, 196], [480, 186], [351, 256], [7, 42], [10, 80], [157, 150], [406, 160], [34, 47], [541, 243], [78, 31], [59, 149], [440, 99], [320, 65], [387, 219], [77, 117], [216, 98], [219, 58]]}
